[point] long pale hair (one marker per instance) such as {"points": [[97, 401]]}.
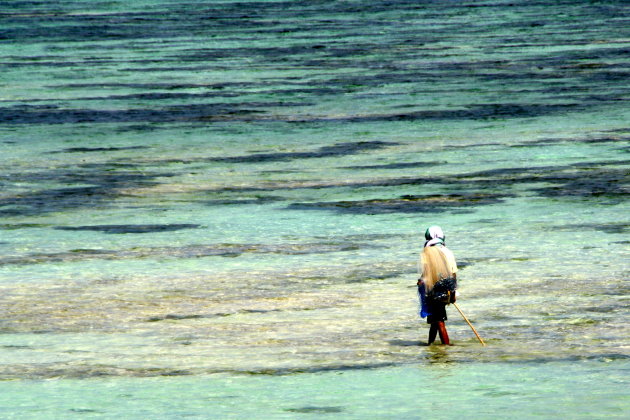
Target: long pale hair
{"points": [[434, 267]]}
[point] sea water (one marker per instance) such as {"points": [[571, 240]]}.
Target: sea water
{"points": [[214, 209]]}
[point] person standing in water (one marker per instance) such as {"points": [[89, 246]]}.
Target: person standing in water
{"points": [[438, 282]]}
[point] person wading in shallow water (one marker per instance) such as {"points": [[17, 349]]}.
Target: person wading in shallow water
{"points": [[438, 282]]}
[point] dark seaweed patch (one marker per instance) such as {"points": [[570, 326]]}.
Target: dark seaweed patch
{"points": [[98, 149], [84, 371], [406, 204], [85, 411], [191, 251], [607, 227], [250, 112], [461, 264], [259, 311], [601, 164], [562, 175], [583, 179], [401, 165], [387, 182], [509, 172], [120, 229], [29, 114], [178, 317], [340, 149], [348, 43], [315, 410], [475, 145], [618, 130], [362, 275], [369, 237], [175, 317], [612, 184], [104, 181], [88, 251], [246, 200], [595, 139], [51, 200], [82, 174], [471, 112], [15, 226], [317, 369], [152, 86], [159, 96], [220, 90], [605, 139]]}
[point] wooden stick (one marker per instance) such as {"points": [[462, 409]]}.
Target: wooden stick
{"points": [[471, 326]]}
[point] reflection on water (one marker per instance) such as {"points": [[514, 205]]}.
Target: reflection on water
{"points": [[438, 355]]}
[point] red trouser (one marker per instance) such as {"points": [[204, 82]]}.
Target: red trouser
{"points": [[438, 327]]}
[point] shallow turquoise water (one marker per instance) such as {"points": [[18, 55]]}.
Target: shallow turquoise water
{"points": [[192, 198], [442, 390]]}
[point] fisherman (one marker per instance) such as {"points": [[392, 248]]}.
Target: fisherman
{"points": [[437, 283]]}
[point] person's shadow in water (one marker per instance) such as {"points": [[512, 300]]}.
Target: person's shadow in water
{"points": [[436, 353], [407, 343]]}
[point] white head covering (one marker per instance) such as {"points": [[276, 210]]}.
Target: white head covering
{"points": [[434, 236]]}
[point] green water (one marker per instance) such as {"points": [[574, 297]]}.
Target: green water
{"points": [[214, 209], [440, 390]]}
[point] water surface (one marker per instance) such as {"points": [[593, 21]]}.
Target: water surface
{"points": [[194, 193]]}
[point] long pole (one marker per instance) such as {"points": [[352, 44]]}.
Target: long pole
{"points": [[471, 326]]}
